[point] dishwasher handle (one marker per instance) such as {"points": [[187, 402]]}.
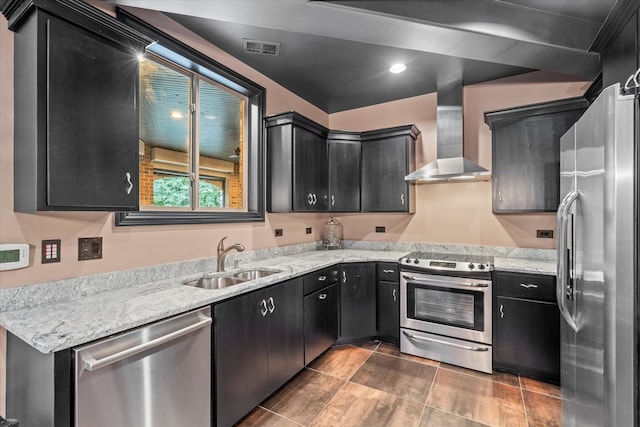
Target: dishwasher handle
{"points": [[91, 364]]}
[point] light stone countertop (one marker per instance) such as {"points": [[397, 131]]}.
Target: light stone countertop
{"points": [[67, 323], [521, 265], [60, 315]]}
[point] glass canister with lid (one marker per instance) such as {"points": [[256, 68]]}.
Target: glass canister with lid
{"points": [[332, 234]]}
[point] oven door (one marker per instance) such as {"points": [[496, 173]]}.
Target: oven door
{"points": [[451, 306]]}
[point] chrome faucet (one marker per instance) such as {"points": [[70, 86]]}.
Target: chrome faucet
{"points": [[222, 252]]}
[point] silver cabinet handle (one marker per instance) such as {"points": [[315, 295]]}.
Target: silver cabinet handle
{"points": [[471, 348], [264, 310], [529, 285], [388, 271], [333, 200], [394, 294], [562, 281], [273, 305], [501, 311], [402, 198], [310, 198], [322, 296], [92, 364], [322, 278], [344, 277], [127, 177], [315, 198]]}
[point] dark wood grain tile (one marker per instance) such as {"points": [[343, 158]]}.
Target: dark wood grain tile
{"points": [[341, 362], [302, 398], [357, 405], [542, 410], [260, 417], [401, 377], [478, 399], [433, 417], [369, 345], [499, 377], [394, 350], [540, 387]]}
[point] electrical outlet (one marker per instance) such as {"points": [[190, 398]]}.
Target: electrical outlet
{"points": [[89, 248], [381, 229], [278, 232], [50, 251], [545, 234], [309, 230]]}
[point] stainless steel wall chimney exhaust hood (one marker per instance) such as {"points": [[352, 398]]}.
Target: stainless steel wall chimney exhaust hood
{"points": [[449, 166]]}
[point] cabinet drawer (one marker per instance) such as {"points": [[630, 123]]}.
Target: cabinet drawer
{"points": [[527, 286], [319, 279], [388, 271]]}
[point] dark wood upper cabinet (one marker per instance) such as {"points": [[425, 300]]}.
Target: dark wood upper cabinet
{"points": [[388, 155], [76, 108], [526, 154], [343, 150], [312, 169], [296, 164]]}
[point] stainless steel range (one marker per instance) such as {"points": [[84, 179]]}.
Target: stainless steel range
{"points": [[445, 308]]}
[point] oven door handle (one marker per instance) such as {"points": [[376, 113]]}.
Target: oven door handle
{"points": [[464, 347], [430, 282]]}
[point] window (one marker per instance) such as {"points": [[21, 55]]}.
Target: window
{"points": [[200, 146]]}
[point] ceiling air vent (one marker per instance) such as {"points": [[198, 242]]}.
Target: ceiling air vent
{"points": [[261, 47]]}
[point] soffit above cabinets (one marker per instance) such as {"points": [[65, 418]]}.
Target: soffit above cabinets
{"points": [[336, 54]]}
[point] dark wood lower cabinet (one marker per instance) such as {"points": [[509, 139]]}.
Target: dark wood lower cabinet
{"points": [[258, 347], [357, 301], [526, 326], [388, 313], [321, 311]]}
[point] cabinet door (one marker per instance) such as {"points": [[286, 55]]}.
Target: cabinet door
{"points": [[357, 300], [285, 336], [309, 171], [241, 356], [320, 321], [384, 166], [344, 176], [527, 337], [526, 162], [92, 121], [389, 310]]}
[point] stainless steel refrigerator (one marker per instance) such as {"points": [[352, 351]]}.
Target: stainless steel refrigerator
{"points": [[597, 264]]}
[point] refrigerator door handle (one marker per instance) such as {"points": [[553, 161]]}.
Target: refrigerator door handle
{"points": [[563, 267]]}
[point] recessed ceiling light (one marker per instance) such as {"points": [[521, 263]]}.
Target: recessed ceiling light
{"points": [[176, 115], [397, 68]]}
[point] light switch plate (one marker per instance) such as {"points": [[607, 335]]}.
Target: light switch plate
{"points": [[50, 251]]}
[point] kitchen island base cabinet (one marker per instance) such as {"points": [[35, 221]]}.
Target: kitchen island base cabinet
{"points": [[526, 326], [258, 347]]}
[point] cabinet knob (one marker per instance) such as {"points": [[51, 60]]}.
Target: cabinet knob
{"points": [[322, 278], [263, 310], [344, 277], [394, 295], [402, 198], [529, 285], [387, 271], [310, 198], [273, 305], [322, 296], [501, 311], [333, 200]]}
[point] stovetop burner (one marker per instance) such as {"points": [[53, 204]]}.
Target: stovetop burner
{"points": [[448, 262]]}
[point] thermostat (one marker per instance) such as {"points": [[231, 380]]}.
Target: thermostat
{"points": [[14, 256]]}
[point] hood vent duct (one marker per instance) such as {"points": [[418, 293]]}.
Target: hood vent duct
{"points": [[450, 165]]}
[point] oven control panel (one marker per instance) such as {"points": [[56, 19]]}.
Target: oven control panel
{"points": [[447, 265]]}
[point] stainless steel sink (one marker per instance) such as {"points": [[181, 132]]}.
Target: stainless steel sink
{"points": [[214, 282], [255, 274]]}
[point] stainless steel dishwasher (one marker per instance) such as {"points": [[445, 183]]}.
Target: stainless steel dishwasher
{"points": [[157, 375]]}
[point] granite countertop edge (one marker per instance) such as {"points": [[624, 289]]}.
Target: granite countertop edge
{"points": [[61, 325]]}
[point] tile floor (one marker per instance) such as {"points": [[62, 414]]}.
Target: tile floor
{"points": [[376, 385]]}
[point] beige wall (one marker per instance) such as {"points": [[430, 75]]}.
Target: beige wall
{"points": [[451, 213]]}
